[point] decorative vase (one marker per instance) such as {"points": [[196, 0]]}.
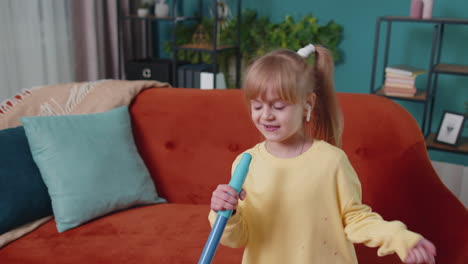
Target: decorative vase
{"points": [[416, 9], [161, 9], [142, 12], [427, 9]]}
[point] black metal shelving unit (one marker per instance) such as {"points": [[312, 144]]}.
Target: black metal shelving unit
{"points": [[435, 68], [213, 49]]}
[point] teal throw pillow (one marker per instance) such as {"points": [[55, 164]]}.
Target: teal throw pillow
{"points": [[90, 165]]}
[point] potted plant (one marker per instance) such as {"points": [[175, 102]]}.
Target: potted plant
{"points": [[144, 7], [259, 36]]}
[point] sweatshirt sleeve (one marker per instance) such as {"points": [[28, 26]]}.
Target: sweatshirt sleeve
{"points": [[235, 233], [364, 226]]}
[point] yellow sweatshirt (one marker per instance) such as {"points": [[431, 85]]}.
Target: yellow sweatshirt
{"points": [[308, 209]]}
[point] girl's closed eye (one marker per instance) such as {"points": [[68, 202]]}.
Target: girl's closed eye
{"points": [[257, 108], [279, 105], [256, 105]]}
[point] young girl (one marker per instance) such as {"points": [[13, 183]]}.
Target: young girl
{"points": [[301, 201]]}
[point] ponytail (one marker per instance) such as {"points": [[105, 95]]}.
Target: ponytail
{"points": [[327, 123]]}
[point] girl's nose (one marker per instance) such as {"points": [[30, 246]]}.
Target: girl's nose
{"points": [[267, 114]]}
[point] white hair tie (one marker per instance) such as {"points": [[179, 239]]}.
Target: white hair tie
{"points": [[306, 51]]}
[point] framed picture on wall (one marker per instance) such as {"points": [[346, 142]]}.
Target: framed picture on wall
{"points": [[450, 128]]}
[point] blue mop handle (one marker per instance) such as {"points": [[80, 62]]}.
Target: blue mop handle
{"points": [[236, 182]]}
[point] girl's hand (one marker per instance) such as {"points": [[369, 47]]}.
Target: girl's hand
{"points": [[423, 252], [225, 198]]}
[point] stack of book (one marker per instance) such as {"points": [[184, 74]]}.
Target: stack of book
{"points": [[199, 76], [400, 80]]}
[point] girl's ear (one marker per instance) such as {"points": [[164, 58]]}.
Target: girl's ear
{"points": [[309, 106], [311, 100]]}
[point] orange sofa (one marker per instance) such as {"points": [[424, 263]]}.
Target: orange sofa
{"points": [[188, 138]]}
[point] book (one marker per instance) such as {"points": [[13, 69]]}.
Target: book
{"points": [[206, 80], [400, 81], [181, 75], [197, 72], [398, 94], [189, 76], [399, 85], [405, 70], [399, 76], [399, 90]]}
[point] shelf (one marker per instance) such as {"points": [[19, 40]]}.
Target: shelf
{"points": [[205, 47], [149, 36], [428, 95], [420, 96], [135, 17], [451, 69], [461, 148], [434, 20]]}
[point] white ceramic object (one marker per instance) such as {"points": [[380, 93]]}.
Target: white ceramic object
{"points": [[161, 9], [427, 9], [142, 12]]}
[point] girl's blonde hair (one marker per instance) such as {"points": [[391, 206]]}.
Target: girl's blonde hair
{"points": [[293, 79]]}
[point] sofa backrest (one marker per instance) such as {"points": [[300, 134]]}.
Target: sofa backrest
{"points": [[189, 139]]}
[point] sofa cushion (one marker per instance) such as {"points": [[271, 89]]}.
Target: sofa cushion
{"points": [[23, 194], [90, 164], [164, 234]]}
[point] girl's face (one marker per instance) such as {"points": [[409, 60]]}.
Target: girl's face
{"points": [[278, 121]]}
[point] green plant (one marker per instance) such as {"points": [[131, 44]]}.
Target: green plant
{"points": [[259, 35], [184, 33]]}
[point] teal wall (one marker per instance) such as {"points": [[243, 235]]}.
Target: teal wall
{"points": [[410, 44]]}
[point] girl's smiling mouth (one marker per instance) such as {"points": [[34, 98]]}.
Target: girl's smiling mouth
{"points": [[271, 128]]}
